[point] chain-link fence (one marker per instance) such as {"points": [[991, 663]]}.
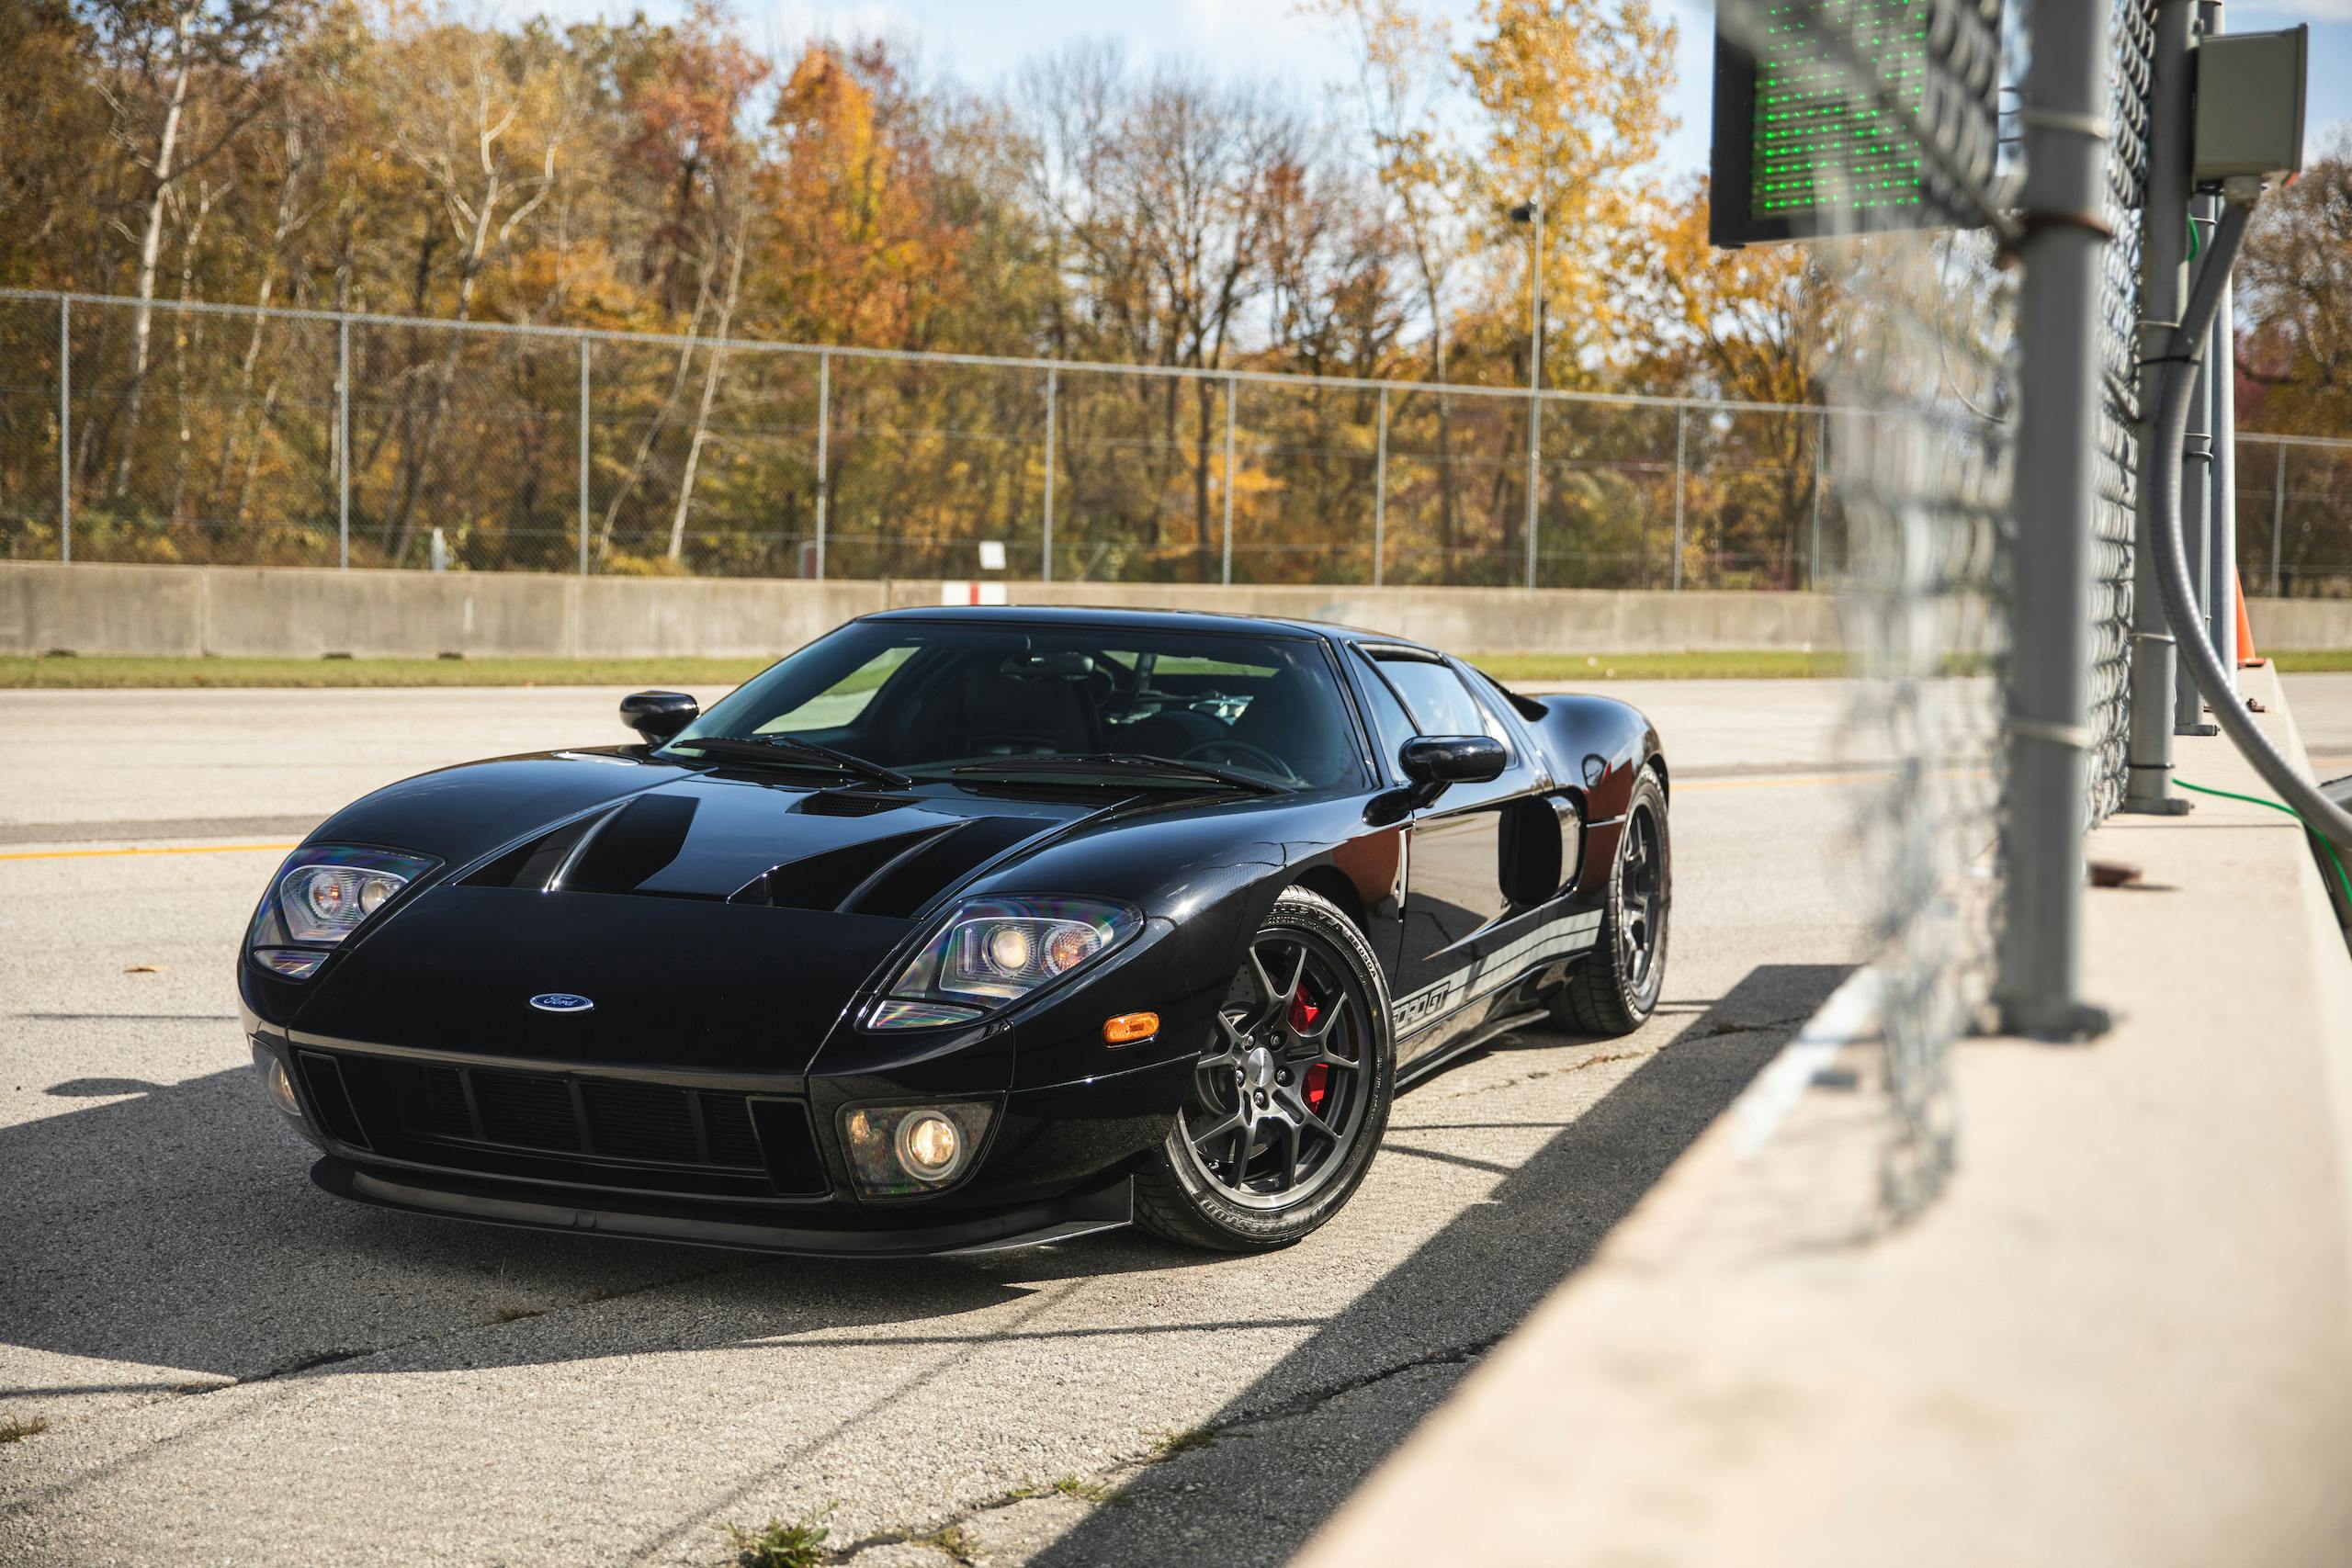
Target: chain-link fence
{"points": [[307, 438], [745, 459], [1904, 127]]}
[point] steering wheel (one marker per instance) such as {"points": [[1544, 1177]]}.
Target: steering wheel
{"points": [[1244, 750]]}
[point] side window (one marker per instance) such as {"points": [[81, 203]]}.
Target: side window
{"points": [[1439, 702], [1490, 705], [1389, 719]]}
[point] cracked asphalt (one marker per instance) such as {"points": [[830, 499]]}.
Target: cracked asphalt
{"points": [[225, 1364]]}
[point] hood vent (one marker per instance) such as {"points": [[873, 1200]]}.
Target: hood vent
{"points": [[841, 803], [825, 880], [665, 845], [915, 879]]}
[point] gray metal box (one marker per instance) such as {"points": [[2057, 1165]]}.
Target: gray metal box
{"points": [[2250, 91]]}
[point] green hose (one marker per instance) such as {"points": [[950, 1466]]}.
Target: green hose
{"points": [[2334, 859]]}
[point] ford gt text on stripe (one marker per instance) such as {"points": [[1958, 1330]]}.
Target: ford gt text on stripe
{"points": [[961, 929]]}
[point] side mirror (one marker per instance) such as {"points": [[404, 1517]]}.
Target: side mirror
{"points": [[1433, 762], [659, 716]]}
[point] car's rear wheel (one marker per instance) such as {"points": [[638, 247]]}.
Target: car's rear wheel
{"points": [[1288, 1104], [1615, 988]]}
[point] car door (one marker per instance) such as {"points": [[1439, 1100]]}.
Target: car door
{"points": [[1457, 907]]}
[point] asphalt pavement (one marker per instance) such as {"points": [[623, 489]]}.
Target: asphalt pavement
{"points": [[232, 1367]]}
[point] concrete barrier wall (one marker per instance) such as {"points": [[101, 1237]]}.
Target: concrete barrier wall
{"points": [[303, 613]]}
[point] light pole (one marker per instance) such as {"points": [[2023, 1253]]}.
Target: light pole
{"points": [[1530, 212]]}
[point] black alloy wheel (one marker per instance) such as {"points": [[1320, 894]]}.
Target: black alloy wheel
{"points": [[1288, 1103], [1615, 988]]}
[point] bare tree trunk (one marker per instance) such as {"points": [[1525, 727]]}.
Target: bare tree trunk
{"points": [[184, 447], [281, 225], [151, 245], [654, 426], [709, 390]]}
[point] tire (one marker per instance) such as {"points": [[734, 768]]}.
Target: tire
{"points": [[1303, 1043], [1616, 988]]}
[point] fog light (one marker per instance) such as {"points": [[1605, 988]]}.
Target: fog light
{"points": [[897, 1151], [281, 1090], [1130, 1027], [929, 1145]]}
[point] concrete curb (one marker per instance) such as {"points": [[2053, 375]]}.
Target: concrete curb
{"points": [[2123, 1336]]}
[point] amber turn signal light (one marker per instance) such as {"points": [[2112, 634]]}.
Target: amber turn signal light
{"points": [[1130, 1027]]}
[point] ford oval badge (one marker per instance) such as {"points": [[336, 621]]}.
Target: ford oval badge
{"points": [[561, 1001]]}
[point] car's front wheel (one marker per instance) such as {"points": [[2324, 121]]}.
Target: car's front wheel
{"points": [[1288, 1104]]}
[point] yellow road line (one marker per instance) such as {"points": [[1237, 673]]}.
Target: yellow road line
{"points": [[172, 850]]}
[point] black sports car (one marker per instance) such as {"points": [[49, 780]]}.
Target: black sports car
{"points": [[961, 929]]}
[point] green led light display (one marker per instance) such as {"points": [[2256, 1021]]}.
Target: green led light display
{"points": [[1813, 146], [1815, 101]]}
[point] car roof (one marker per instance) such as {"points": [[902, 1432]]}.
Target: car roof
{"points": [[1108, 617]]}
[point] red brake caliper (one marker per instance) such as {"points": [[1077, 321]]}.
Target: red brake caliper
{"points": [[1303, 1014]]}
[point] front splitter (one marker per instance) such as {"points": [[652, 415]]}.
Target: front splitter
{"points": [[1101, 1208]]}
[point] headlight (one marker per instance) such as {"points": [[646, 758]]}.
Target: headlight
{"points": [[322, 896], [992, 952]]}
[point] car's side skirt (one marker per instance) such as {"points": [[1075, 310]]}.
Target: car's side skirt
{"points": [[1548, 943]]}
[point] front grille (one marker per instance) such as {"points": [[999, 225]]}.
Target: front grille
{"points": [[613, 1133]]}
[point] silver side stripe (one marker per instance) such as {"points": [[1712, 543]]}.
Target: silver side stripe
{"points": [[1554, 938]]}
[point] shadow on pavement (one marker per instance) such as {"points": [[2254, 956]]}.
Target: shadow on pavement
{"points": [[1264, 1485], [176, 1229]]}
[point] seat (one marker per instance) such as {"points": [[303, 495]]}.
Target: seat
{"points": [[984, 712]]}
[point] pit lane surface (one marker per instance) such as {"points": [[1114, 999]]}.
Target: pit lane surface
{"points": [[233, 1366]]}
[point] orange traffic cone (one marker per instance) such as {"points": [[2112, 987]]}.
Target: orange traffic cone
{"points": [[2247, 658]]}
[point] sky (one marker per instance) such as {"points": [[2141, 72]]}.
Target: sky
{"points": [[984, 41]]}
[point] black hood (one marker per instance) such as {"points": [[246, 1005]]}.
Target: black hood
{"points": [[719, 920]]}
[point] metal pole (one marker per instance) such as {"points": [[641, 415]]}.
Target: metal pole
{"points": [[583, 457], [824, 475], [2278, 520], [2056, 492], [1225, 575], [343, 444], [1681, 431], [1820, 480], [1380, 492], [2196, 506], [1534, 386], [65, 430], [1052, 378], [2223, 577], [2163, 277]]}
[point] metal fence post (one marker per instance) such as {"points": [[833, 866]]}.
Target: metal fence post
{"points": [[1053, 378], [2163, 278], [1380, 491], [1225, 575], [824, 475], [1820, 481], [2056, 498], [66, 430], [583, 457], [1681, 431], [343, 444], [1534, 475], [2278, 519]]}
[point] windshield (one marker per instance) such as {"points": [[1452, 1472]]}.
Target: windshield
{"points": [[981, 699]]}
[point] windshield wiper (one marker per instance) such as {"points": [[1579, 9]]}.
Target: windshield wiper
{"points": [[1120, 762], [764, 748]]}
